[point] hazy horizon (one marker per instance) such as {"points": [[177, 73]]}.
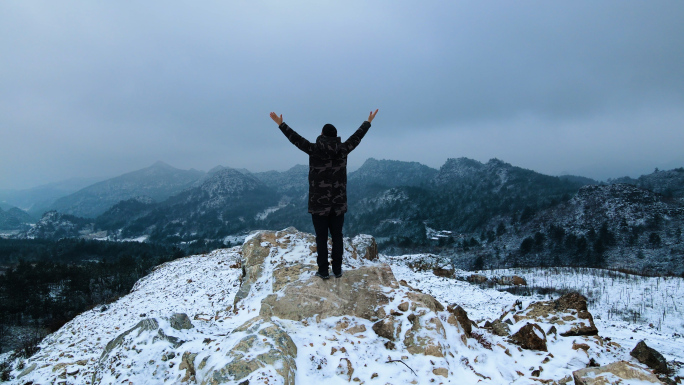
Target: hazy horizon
{"points": [[87, 181], [102, 89]]}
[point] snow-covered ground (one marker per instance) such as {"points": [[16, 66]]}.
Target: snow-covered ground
{"points": [[204, 286], [627, 308], [234, 239], [191, 285]]}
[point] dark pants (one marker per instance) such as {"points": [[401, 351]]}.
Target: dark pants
{"points": [[322, 224]]}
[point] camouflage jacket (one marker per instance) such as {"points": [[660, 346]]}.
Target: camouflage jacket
{"points": [[327, 168]]}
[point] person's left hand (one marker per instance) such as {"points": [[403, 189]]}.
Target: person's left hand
{"points": [[276, 118], [372, 116]]}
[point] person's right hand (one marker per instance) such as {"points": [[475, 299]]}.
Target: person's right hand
{"points": [[279, 119], [372, 116]]}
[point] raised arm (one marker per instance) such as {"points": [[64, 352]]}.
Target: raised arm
{"points": [[291, 135], [354, 140]]}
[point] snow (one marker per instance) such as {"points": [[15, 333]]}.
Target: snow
{"points": [[234, 239], [264, 214], [615, 299], [204, 286], [140, 239], [195, 285]]}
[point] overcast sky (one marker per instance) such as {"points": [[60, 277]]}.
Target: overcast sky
{"points": [[593, 88]]}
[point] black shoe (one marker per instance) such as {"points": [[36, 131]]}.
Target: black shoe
{"points": [[322, 276], [338, 275]]}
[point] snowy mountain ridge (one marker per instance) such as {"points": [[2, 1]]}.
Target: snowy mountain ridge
{"points": [[255, 314], [158, 182], [670, 183]]}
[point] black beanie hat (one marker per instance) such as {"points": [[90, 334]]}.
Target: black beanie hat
{"points": [[329, 130]]}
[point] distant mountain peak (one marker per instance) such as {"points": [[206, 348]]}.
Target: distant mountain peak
{"points": [[462, 162], [392, 173], [457, 168], [159, 181], [216, 169], [227, 171], [162, 165], [372, 162], [298, 167], [230, 181], [498, 163]]}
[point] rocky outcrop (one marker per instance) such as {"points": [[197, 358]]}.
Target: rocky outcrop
{"points": [[288, 290], [131, 343], [265, 344], [253, 256], [512, 280], [359, 293], [568, 313], [620, 372]]}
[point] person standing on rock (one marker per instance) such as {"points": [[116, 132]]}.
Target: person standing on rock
{"points": [[327, 186]]}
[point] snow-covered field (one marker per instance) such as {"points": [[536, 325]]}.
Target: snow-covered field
{"points": [[627, 308], [203, 287]]}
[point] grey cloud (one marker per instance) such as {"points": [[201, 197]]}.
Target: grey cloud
{"points": [[104, 88]]}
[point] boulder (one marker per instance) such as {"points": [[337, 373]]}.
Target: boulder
{"points": [[650, 357], [446, 273], [363, 247], [388, 328], [513, 280], [358, 293], [425, 339], [188, 364], [460, 315], [518, 281], [620, 372], [476, 278], [180, 321], [578, 346], [444, 372], [531, 336], [500, 328], [28, 370], [424, 300]]}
